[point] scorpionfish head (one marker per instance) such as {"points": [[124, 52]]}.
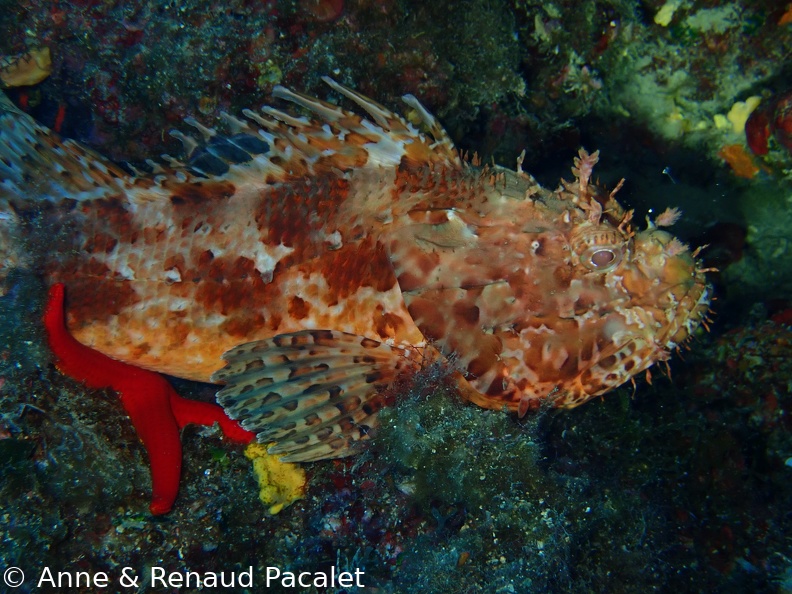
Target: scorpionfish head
{"points": [[633, 299], [551, 296]]}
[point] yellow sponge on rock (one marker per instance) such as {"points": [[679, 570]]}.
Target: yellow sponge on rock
{"points": [[280, 483]]}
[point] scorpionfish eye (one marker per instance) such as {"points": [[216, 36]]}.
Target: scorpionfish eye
{"points": [[602, 258], [599, 249]]}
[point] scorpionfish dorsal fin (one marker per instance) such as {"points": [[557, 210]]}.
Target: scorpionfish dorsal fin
{"points": [[282, 147], [313, 393], [387, 141], [269, 146]]}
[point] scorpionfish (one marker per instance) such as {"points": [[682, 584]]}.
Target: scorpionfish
{"points": [[310, 258]]}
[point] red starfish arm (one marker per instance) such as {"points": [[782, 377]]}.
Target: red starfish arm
{"points": [[73, 358], [145, 396], [194, 412], [157, 412]]}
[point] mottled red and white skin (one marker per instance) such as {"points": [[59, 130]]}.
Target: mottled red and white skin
{"points": [[369, 226]]}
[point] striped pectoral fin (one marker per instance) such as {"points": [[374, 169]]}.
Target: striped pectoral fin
{"points": [[314, 393]]}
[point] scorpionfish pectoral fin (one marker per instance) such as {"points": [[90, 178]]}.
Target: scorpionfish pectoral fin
{"points": [[314, 393]]}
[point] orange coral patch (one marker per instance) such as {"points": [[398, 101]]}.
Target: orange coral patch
{"points": [[786, 18], [741, 163]]}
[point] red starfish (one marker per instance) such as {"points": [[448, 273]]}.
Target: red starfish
{"points": [[156, 410]]}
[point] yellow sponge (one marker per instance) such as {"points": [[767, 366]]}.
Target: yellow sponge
{"points": [[666, 12], [740, 111], [280, 483]]}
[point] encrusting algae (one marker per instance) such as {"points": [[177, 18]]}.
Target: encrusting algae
{"points": [[280, 483]]}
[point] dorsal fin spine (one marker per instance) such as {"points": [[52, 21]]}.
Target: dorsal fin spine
{"points": [[375, 110], [207, 133]]}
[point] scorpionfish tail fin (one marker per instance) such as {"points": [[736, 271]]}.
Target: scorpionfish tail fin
{"points": [[37, 165]]}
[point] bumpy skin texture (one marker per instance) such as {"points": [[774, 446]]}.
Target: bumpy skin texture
{"points": [[366, 226]]}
